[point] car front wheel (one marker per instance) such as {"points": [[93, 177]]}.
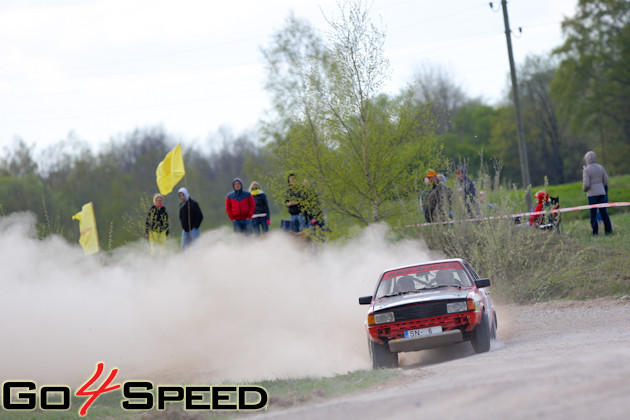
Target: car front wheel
{"points": [[481, 335], [381, 357]]}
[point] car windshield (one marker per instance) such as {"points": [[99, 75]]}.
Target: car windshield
{"points": [[421, 278]]}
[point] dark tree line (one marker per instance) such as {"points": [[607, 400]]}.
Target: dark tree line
{"points": [[120, 181]]}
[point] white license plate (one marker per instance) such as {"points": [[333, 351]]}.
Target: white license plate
{"points": [[423, 332]]}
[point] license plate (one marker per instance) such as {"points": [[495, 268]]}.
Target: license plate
{"points": [[423, 332]]}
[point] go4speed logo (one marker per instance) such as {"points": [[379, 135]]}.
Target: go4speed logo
{"points": [[23, 395]]}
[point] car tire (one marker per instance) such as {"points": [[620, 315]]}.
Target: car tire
{"points": [[493, 334], [481, 335], [381, 357]]}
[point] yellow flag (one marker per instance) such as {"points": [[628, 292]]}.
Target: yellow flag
{"points": [[170, 170], [87, 225]]}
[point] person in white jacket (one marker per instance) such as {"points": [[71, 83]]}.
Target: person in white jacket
{"points": [[595, 185]]}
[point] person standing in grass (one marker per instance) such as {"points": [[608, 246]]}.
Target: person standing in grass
{"points": [[595, 185], [157, 226], [190, 216], [240, 206], [438, 203], [261, 218]]}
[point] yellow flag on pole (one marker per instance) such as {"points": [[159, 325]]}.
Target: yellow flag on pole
{"points": [[87, 225], [170, 171]]}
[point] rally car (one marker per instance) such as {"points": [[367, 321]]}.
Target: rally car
{"points": [[428, 305]]}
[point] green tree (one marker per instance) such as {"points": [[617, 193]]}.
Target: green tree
{"points": [[593, 79], [553, 150], [360, 150], [469, 135]]}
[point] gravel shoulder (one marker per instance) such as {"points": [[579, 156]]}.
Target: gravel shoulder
{"points": [[552, 360]]}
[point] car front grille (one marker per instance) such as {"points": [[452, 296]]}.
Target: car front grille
{"points": [[426, 310]]}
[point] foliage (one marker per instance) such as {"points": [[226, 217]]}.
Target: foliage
{"points": [[358, 149], [592, 83], [116, 179]]}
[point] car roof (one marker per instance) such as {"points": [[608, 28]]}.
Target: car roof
{"points": [[460, 260]]}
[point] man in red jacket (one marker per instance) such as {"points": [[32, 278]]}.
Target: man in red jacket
{"points": [[240, 207]]}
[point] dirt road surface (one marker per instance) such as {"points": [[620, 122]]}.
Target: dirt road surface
{"points": [[557, 360]]}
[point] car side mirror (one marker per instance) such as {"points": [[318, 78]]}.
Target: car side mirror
{"points": [[482, 283], [365, 300]]}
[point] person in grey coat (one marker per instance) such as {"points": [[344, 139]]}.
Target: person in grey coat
{"points": [[595, 185]]}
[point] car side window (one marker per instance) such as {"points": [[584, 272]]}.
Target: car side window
{"points": [[463, 278], [472, 270]]}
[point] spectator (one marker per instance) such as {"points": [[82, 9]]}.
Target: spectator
{"points": [[190, 216], [438, 205], [542, 199], [157, 227], [293, 202], [261, 218], [240, 207], [466, 186], [311, 206], [424, 193], [483, 203], [595, 185]]}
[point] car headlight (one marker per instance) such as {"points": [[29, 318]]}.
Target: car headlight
{"points": [[454, 307], [384, 318]]}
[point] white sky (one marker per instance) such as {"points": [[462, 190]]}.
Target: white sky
{"points": [[100, 68]]}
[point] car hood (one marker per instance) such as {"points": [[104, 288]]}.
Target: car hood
{"points": [[421, 297]]}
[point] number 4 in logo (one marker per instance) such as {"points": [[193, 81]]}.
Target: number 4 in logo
{"points": [[83, 392]]}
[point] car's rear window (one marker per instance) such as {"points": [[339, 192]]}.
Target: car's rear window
{"points": [[422, 277]]}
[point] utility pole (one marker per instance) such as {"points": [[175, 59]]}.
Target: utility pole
{"points": [[522, 148]]}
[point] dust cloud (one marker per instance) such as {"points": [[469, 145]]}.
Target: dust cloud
{"points": [[229, 309]]}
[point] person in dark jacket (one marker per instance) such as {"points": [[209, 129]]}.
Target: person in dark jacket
{"points": [[595, 185], [240, 207], [466, 186], [293, 201], [156, 225], [261, 218], [438, 203], [190, 216]]}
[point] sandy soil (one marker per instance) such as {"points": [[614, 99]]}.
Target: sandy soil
{"points": [[555, 360]]}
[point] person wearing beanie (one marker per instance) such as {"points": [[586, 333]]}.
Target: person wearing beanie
{"points": [[240, 207], [156, 225], [261, 217], [190, 216], [438, 202], [595, 185]]}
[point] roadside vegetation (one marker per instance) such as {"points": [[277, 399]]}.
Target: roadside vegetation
{"points": [[526, 264]]}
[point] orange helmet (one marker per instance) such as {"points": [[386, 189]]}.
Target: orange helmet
{"points": [[431, 173]]}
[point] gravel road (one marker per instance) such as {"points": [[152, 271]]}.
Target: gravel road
{"points": [[556, 360]]}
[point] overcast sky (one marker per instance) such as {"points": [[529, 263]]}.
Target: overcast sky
{"points": [[100, 68]]}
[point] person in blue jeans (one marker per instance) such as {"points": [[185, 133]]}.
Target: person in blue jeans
{"points": [[190, 216], [595, 185], [240, 207], [293, 201], [261, 218]]}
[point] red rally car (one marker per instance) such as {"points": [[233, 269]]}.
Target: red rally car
{"points": [[428, 305]]}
